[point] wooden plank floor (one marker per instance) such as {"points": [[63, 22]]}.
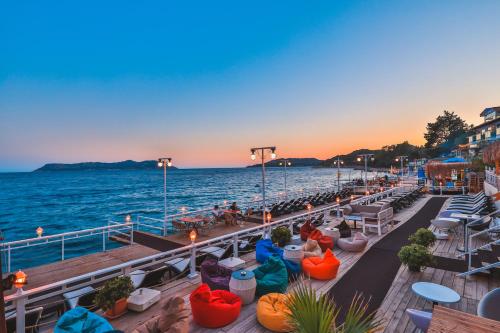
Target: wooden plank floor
{"points": [[58, 271], [400, 296], [247, 321]]}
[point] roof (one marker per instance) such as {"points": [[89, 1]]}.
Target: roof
{"points": [[488, 110], [487, 123]]}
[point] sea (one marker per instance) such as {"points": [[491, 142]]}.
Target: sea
{"points": [[63, 201]]}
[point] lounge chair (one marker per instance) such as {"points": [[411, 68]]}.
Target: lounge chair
{"points": [[32, 318]]}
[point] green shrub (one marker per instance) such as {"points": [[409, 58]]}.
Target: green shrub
{"points": [[423, 237], [113, 290], [415, 256], [281, 236]]}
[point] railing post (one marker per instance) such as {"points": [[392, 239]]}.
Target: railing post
{"points": [[20, 311], [8, 259], [104, 241], [62, 248], [290, 226], [235, 246], [132, 233], [192, 263]]}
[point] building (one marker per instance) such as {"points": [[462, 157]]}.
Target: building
{"points": [[487, 132]]}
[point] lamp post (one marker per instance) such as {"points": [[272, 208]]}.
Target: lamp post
{"points": [[401, 158], [192, 261], [338, 162], [366, 157], [164, 162], [262, 151], [285, 163]]}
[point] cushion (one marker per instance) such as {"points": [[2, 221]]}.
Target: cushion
{"points": [[324, 242], [311, 249], [271, 277], [173, 318], [217, 277], [214, 308], [369, 215], [81, 320], [353, 244], [272, 312], [346, 210], [318, 268], [305, 230]]}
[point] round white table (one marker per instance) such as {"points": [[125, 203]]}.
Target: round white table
{"points": [[435, 293]]}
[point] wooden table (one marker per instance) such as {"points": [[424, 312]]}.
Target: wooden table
{"points": [[448, 320]]}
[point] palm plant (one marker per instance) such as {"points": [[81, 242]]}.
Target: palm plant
{"points": [[310, 313]]}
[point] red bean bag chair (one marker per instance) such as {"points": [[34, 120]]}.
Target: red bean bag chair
{"points": [[214, 308], [324, 242], [318, 268], [305, 230]]}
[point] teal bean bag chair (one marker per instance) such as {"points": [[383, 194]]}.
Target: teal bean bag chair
{"points": [[265, 248], [81, 320], [272, 276]]}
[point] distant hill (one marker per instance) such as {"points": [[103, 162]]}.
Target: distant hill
{"points": [[296, 162], [124, 165]]}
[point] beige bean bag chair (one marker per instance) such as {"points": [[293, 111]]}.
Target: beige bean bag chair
{"points": [[312, 249], [353, 244], [173, 318]]}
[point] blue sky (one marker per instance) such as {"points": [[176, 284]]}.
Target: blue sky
{"points": [[205, 81]]}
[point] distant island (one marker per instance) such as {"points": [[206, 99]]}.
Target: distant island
{"points": [[296, 162], [88, 166]]}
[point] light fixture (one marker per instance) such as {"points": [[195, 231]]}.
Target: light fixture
{"points": [[268, 217], [392, 185], [39, 231], [273, 153], [128, 218], [367, 193], [160, 163], [309, 206], [352, 197], [358, 159], [397, 159], [373, 159], [169, 162], [192, 236], [20, 279], [253, 157], [338, 200]]}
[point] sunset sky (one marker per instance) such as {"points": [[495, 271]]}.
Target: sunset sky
{"points": [[203, 81]]}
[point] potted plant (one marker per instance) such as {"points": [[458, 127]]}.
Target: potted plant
{"points": [[281, 236], [112, 297], [423, 237], [415, 256], [313, 313]]}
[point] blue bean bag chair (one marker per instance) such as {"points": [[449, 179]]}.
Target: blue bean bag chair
{"points": [[265, 248], [81, 320]]}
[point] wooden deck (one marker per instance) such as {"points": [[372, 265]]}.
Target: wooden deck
{"points": [[50, 273], [247, 321], [400, 297]]}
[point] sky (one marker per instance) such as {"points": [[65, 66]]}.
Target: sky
{"points": [[204, 81]]}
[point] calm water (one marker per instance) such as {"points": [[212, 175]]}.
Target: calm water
{"points": [[68, 201]]}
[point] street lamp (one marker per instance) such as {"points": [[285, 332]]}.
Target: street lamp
{"points": [[338, 162], [164, 162], [366, 157], [285, 163], [401, 158], [262, 151]]}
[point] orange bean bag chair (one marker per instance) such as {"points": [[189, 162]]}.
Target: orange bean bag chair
{"points": [[305, 230], [214, 308], [318, 268], [272, 312], [324, 242]]}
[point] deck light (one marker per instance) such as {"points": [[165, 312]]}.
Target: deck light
{"points": [[268, 217], [309, 206], [397, 160], [128, 218], [367, 193], [352, 196], [20, 279], [273, 153], [338, 200], [358, 159], [253, 157], [39, 231], [169, 162], [192, 236]]}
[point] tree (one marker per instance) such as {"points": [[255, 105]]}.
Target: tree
{"points": [[446, 128]]}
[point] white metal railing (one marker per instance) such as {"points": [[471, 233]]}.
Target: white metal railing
{"points": [[21, 299], [443, 188], [63, 238], [471, 249], [492, 178]]}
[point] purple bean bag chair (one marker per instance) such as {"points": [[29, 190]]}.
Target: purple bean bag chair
{"points": [[217, 277]]}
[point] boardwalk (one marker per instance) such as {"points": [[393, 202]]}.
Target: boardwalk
{"points": [[247, 321], [400, 296]]}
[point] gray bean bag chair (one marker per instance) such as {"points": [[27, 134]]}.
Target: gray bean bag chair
{"points": [[312, 249], [353, 244]]}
